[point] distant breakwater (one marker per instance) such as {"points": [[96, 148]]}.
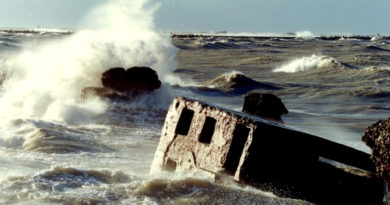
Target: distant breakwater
{"points": [[286, 37]]}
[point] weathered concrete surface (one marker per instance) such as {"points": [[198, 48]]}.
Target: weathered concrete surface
{"points": [[377, 137], [270, 156]]}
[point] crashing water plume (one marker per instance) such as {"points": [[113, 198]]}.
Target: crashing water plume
{"points": [[45, 80]]}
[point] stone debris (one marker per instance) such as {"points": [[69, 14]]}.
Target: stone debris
{"points": [[377, 137]]}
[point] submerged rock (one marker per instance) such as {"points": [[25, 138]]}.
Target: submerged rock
{"points": [[89, 92], [264, 105], [377, 137], [236, 83]]}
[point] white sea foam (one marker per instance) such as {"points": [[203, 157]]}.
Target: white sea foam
{"points": [[377, 38], [305, 63], [377, 68], [304, 35], [45, 80]]}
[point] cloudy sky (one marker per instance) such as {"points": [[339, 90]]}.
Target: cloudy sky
{"points": [[256, 16]]}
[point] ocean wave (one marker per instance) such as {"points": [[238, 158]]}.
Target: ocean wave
{"points": [[304, 35], [54, 141], [228, 34], [4, 45], [35, 31], [63, 185], [67, 185], [235, 83], [377, 69], [47, 77], [371, 93], [377, 38], [218, 44], [201, 191], [373, 48], [307, 63]]}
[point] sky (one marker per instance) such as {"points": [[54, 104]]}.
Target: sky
{"points": [[253, 16]]}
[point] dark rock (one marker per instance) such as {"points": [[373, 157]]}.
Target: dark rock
{"points": [[115, 78], [120, 84], [264, 105], [135, 80], [142, 79], [377, 137]]}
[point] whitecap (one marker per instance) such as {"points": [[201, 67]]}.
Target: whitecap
{"points": [[305, 35], [306, 63]]}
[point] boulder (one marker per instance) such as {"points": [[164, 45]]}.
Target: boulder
{"points": [[115, 78], [264, 105], [135, 80], [377, 137], [121, 84]]}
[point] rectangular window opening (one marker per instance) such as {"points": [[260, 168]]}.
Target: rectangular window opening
{"points": [[240, 136], [207, 130], [184, 123]]}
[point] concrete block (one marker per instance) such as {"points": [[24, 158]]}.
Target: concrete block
{"points": [[270, 156]]}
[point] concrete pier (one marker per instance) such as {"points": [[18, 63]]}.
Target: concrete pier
{"points": [[267, 155]]}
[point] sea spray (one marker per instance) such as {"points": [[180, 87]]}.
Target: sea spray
{"points": [[46, 79], [305, 35]]}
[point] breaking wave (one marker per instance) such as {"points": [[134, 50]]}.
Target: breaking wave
{"points": [[201, 191], [235, 83], [44, 80], [218, 44], [377, 69], [304, 35], [53, 141], [112, 187], [306, 63]]}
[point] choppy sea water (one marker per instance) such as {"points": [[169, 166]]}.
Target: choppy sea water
{"points": [[56, 150]]}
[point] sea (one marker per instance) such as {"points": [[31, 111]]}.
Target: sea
{"points": [[57, 149]]}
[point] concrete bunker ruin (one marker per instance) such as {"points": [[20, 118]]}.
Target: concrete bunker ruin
{"points": [[218, 142]]}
